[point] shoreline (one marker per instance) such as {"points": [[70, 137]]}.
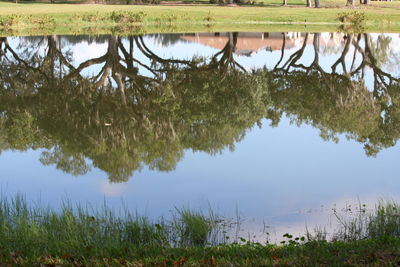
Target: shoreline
{"points": [[82, 236], [21, 19]]}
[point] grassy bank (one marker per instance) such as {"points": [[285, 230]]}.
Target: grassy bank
{"points": [[28, 18], [77, 236], [381, 252]]}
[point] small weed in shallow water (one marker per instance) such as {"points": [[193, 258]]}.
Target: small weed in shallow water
{"points": [[291, 240], [210, 19]]}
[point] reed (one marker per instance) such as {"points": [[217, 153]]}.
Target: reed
{"points": [[360, 224], [80, 236], [82, 231]]}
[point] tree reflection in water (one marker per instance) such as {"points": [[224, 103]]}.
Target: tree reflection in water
{"points": [[119, 120]]}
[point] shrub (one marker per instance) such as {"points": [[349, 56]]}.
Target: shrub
{"points": [[89, 17], [354, 17], [10, 21], [170, 18], [42, 21], [127, 17]]}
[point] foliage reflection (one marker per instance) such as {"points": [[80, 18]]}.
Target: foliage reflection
{"points": [[118, 119]]}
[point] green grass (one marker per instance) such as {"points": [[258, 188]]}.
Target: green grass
{"points": [[76, 236], [73, 18], [37, 231], [361, 225]]}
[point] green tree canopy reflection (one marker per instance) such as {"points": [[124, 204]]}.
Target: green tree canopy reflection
{"points": [[120, 120]]}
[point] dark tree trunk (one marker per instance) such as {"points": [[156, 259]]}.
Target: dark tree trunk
{"points": [[3, 40], [296, 55], [113, 63], [342, 59], [226, 60], [316, 2], [52, 53], [316, 48], [131, 47], [232, 43], [282, 50]]}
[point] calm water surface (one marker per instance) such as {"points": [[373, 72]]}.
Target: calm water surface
{"points": [[280, 126]]}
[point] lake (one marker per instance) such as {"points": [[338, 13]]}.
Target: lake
{"points": [[276, 128]]}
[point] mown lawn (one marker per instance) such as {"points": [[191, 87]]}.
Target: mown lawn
{"points": [[378, 15]]}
